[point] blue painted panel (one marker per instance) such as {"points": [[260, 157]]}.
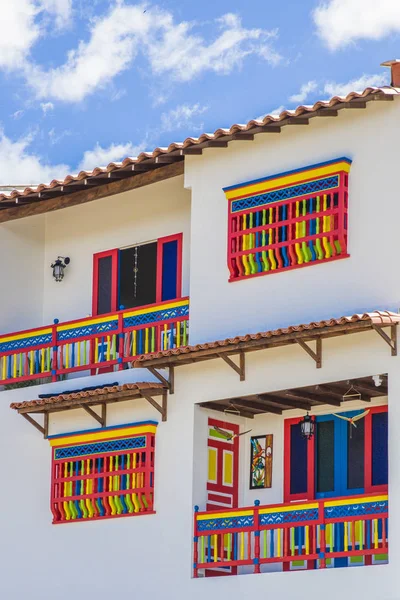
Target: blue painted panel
{"points": [[169, 270], [379, 448]]}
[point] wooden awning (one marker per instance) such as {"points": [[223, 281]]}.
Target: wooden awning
{"points": [[87, 398], [305, 398], [308, 336]]}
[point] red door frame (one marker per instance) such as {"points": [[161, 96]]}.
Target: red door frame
{"points": [[114, 280], [213, 489]]}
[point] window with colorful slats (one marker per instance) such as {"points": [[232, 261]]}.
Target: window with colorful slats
{"points": [[104, 473], [289, 220]]}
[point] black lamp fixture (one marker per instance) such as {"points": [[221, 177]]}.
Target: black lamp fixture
{"points": [[307, 426], [58, 267]]}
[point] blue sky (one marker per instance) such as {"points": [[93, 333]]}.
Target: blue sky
{"points": [[86, 82]]}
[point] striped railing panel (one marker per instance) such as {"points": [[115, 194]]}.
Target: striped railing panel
{"points": [[315, 533], [112, 340]]}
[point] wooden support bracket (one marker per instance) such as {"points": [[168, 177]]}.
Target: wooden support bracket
{"points": [[169, 383], [241, 369], [99, 418], [44, 430], [317, 355], [162, 409], [390, 340]]}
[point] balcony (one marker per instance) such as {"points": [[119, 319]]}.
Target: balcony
{"points": [[332, 532], [110, 342]]}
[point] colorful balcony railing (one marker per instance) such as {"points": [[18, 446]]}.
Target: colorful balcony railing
{"points": [[316, 533], [112, 340]]}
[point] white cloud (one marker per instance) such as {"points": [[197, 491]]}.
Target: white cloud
{"points": [[100, 156], [305, 90], [182, 116], [18, 114], [332, 88], [55, 137], [171, 48], [46, 107], [341, 22], [19, 166], [22, 23]]}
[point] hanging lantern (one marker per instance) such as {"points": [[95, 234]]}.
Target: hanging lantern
{"points": [[307, 426], [58, 267]]}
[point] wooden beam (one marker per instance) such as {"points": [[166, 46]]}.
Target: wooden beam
{"points": [[355, 104], [164, 406], [93, 414], [171, 380], [292, 403], [266, 129], [46, 426], [390, 340], [34, 423], [240, 370], [326, 112], [321, 398], [218, 406], [93, 193], [104, 414], [160, 377], [215, 144], [317, 355], [254, 405], [161, 408], [296, 121], [242, 136], [192, 150], [168, 158]]}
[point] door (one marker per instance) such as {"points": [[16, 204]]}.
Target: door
{"points": [[339, 456], [222, 477], [223, 466]]}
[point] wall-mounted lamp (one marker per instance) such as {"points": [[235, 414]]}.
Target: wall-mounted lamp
{"points": [[58, 267], [307, 427]]}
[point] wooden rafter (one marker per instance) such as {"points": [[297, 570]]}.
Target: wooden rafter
{"points": [[162, 408], [305, 398], [315, 355], [390, 340], [44, 429], [239, 369], [99, 418], [169, 383]]}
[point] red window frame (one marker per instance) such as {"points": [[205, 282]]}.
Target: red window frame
{"points": [[310, 494], [160, 253], [369, 488], [114, 279], [115, 272]]}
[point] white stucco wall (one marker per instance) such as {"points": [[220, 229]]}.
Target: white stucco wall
{"points": [[151, 555], [21, 273], [363, 282], [136, 216]]}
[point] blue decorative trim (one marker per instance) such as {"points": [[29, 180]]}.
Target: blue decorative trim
{"points": [[85, 330], [25, 342], [100, 447], [156, 316], [225, 523], [355, 510], [293, 191], [294, 516], [322, 527], [321, 555], [301, 170]]}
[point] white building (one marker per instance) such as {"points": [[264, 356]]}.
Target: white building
{"points": [[141, 424]]}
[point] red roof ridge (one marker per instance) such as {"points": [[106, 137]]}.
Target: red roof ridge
{"points": [[204, 137]]}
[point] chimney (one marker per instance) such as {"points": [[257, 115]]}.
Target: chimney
{"points": [[395, 71]]}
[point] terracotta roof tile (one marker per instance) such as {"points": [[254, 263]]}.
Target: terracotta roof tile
{"points": [[174, 147], [86, 394], [374, 318]]}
